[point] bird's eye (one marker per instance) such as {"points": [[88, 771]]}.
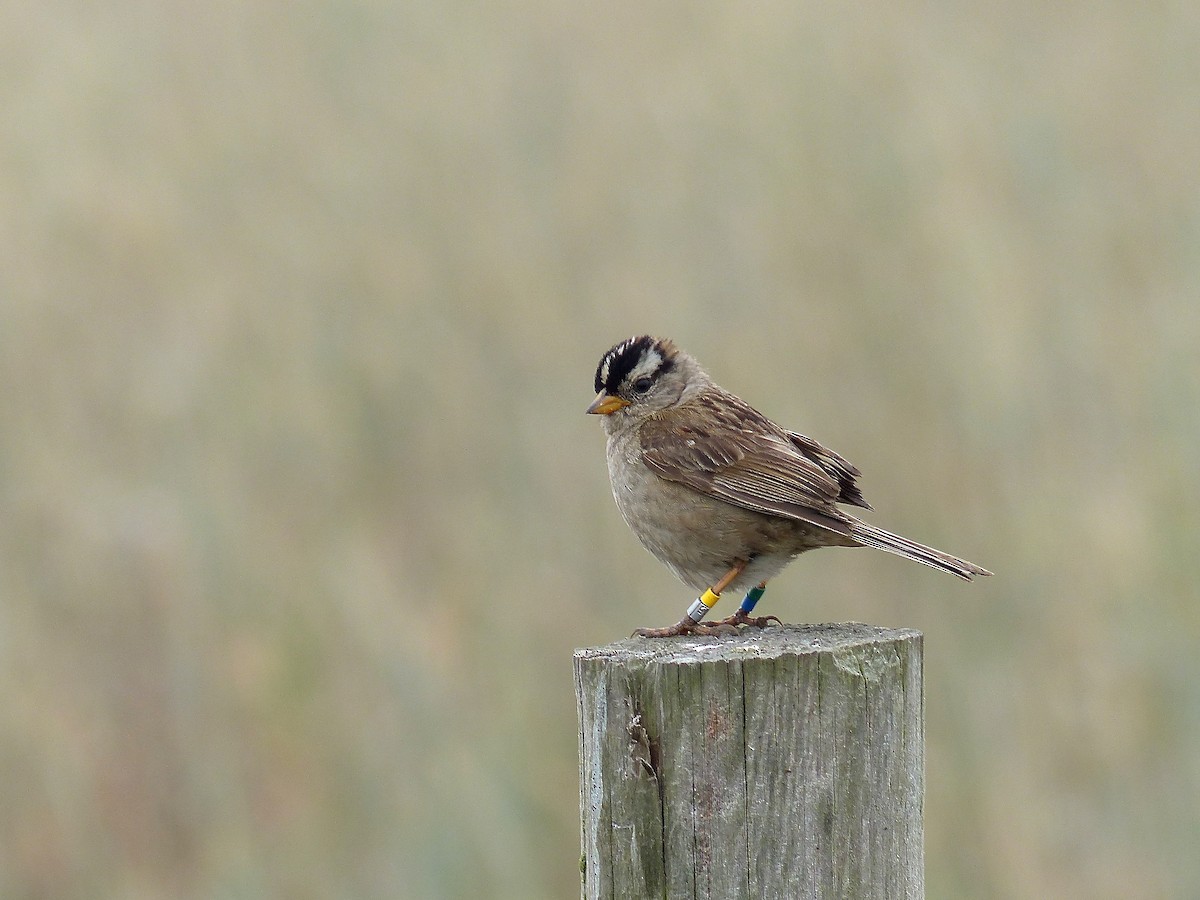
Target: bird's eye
{"points": [[643, 384]]}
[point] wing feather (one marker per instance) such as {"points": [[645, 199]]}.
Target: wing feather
{"points": [[742, 457]]}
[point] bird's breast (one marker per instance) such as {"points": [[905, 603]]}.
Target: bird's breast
{"points": [[693, 534]]}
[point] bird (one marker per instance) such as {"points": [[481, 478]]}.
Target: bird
{"points": [[718, 492]]}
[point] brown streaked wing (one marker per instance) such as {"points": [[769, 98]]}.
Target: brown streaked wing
{"points": [[835, 465], [743, 458]]}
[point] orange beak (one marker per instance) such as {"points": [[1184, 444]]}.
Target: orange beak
{"points": [[605, 405]]}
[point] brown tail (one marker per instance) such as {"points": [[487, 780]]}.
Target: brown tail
{"points": [[871, 536]]}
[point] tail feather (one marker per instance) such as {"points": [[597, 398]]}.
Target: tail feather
{"points": [[871, 536]]}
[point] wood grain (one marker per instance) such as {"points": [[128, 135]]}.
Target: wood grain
{"points": [[784, 762]]}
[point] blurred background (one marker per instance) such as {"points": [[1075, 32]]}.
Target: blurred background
{"points": [[301, 518]]}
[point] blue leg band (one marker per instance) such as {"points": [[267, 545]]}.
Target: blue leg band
{"points": [[752, 597]]}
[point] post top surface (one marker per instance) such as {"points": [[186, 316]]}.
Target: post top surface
{"points": [[751, 643]]}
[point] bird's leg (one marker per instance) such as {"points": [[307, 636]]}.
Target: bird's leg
{"points": [[743, 617], [691, 623]]}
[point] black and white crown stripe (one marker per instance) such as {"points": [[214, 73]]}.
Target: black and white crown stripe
{"points": [[629, 360]]}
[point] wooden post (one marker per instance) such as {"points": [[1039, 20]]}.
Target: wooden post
{"points": [[783, 762]]}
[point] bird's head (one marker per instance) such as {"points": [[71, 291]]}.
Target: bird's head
{"points": [[644, 375]]}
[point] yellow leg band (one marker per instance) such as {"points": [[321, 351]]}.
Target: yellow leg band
{"points": [[702, 604]]}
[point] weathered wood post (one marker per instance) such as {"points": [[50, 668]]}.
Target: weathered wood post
{"points": [[786, 762]]}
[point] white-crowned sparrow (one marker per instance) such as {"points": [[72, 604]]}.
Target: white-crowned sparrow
{"points": [[716, 490]]}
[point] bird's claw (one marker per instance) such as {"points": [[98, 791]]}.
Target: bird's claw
{"points": [[741, 618], [688, 628]]}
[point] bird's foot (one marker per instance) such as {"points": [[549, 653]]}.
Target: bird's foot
{"points": [[741, 617], [689, 628]]}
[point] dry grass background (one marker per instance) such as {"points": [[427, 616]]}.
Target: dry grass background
{"points": [[300, 517]]}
